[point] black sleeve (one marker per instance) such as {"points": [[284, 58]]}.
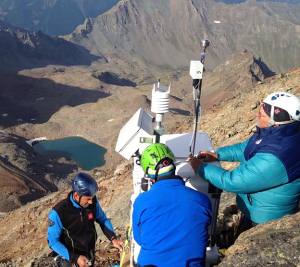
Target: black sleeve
{"points": [[107, 232]]}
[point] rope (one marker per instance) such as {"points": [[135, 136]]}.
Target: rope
{"points": [[126, 245]]}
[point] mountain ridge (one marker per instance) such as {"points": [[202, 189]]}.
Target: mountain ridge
{"points": [[51, 16], [20, 49], [153, 32]]}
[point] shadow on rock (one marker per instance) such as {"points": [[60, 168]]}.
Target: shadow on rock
{"points": [[113, 78], [25, 99], [20, 49], [180, 111]]}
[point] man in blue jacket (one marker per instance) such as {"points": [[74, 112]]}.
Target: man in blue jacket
{"points": [[71, 231], [170, 221], [267, 181]]}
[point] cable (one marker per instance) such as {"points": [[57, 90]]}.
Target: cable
{"points": [[197, 86]]}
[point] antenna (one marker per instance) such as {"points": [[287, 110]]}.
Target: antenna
{"points": [[196, 72]]}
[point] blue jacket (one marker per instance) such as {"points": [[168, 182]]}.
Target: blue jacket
{"points": [[267, 180], [56, 228], [170, 223]]}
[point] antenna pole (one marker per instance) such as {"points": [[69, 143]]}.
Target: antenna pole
{"points": [[196, 72]]}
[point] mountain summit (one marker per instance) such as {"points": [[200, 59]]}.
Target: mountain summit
{"points": [[168, 33]]}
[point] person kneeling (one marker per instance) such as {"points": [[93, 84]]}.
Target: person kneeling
{"points": [[71, 232]]}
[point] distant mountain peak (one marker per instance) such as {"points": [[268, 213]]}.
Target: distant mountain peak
{"points": [[56, 17], [20, 49], [152, 32]]}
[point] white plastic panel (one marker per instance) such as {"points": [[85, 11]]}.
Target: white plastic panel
{"points": [[139, 126], [180, 143], [196, 69]]}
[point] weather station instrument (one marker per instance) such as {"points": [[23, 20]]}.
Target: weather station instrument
{"points": [[145, 128]]}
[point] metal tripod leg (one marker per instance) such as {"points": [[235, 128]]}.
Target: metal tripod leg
{"points": [[212, 253]]}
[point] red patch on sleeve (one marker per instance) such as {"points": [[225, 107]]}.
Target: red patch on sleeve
{"points": [[90, 216]]}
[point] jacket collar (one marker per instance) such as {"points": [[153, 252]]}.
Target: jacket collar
{"points": [[175, 181], [73, 201], [284, 130]]}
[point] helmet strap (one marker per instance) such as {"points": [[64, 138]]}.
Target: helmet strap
{"points": [[271, 121], [80, 196], [156, 174]]}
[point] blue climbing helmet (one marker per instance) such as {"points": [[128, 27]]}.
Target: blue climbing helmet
{"points": [[84, 184]]}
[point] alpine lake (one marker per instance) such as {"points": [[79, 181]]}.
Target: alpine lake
{"points": [[86, 154]]}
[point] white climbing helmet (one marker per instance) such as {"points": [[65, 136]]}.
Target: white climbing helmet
{"points": [[284, 101]]}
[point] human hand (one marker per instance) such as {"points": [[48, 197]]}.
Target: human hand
{"points": [[208, 156], [195, 162], [83, 261], [117, 243]]}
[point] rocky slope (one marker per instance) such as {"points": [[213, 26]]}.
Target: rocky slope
{"points": [[230, 121], [237, 117], [20, 49], [153, 32], [26, 176], [64, 111], [30, 230], [55, 17], [273, 244]]}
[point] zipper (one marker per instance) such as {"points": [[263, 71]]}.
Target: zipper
{"points": [[72, 242], [81, 218]]}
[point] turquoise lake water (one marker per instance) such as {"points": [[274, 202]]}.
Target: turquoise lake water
{"points": [[86, 154]]}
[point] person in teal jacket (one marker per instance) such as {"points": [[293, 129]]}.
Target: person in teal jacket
{"points": [[267, 181]]}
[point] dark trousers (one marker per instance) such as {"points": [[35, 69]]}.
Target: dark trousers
{"points": [[244, 225]]}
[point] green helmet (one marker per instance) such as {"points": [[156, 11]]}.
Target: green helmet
{"points": [[154, 155]]}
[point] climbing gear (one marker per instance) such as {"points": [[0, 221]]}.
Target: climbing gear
{"points": [[84, 185], [155, 157], [282, 108]]}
